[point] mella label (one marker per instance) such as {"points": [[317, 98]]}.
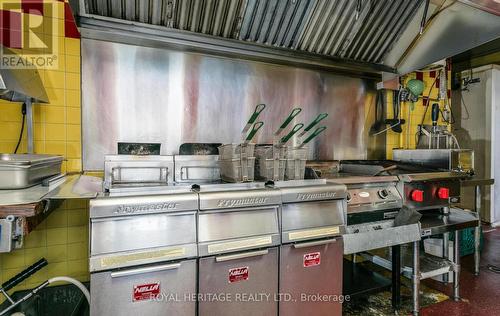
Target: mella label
{"points": [[147, 291], [238, 274], [312, 259]]}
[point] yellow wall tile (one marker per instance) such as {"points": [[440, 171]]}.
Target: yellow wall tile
{"points": [[56, 96], [53, 114], [54, 79], [73, 133], [57, 236], [73, 98], [32, 255], [73, 116], [75, 251], [77, 234], [73, 165], [77, 267], [55, 132], [15, 259], [57, 269], [77, 204], [36, 239], [73, 150], [57, 253], [11, 112], [78, 217], [55, 147], [72, 81], [10, 131], [72, 46], [57, 219], [39, 147], [73, 64]]}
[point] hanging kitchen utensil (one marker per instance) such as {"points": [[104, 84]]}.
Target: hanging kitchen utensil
{"points": [[287, 121], [258, 109], [396, 122], [253, 131], [313, 123], [294, 130], [379, 123], [318, 131]]}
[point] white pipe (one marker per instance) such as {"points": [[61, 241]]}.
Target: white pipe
{"points": [[73, 281]]}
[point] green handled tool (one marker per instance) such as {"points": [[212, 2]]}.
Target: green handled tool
{"points": [[253, 131], [258, 109], [294, 130], [318, 131], [313, 123], [287, 121]]}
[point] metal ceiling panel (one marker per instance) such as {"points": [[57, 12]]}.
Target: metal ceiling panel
{"points": [[333, 28]]}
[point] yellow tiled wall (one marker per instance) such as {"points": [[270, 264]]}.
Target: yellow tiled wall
{"points": [[414, 117], [63, 237]]}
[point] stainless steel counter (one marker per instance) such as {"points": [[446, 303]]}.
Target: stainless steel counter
{"points": [[473, 181], [69, 187], [433, 224]]}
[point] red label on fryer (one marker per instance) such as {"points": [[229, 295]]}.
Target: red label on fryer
{"points": [[238, 274], [146, 291], [312, 259]]}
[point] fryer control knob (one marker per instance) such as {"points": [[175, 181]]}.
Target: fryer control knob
{"points": [[417, 195], [384, 194], [443, 193]]}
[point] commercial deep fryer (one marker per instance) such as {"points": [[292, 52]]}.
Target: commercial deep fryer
{"points": [[238, 242], [313, 219], [142, 252]]}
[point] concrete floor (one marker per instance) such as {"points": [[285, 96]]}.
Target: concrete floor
{"points": [[480, 295]]}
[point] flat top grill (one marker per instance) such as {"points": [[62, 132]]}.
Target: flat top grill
{"points": [[382, 167]]}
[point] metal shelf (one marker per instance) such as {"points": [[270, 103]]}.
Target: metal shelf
{"points": [[430, 266]]}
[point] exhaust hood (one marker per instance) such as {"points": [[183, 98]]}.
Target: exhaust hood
{"points": [[376, 35], [19, 84]]}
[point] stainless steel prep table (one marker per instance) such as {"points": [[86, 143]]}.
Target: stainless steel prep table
{"points": [[417, 266]]}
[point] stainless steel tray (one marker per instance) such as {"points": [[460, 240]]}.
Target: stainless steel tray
{"points": [[18, 171]]}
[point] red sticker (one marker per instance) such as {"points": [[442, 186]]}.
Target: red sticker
{"points": [[146, 291], [312, 259], [238, 274]]}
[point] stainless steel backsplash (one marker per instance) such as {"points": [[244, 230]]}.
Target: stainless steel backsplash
{"points": [[142, 94]]}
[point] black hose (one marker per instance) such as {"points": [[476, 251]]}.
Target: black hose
{"points": [[23, 111]]}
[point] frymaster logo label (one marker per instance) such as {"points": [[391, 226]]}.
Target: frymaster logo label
{"points": [[241, 202], [315, 196], [31, 28], [144, 208]]}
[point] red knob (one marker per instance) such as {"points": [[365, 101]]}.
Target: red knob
{"points": [[443, 193], [417, 195]]}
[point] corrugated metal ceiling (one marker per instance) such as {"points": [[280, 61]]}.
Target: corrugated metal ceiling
{"points": [[326, 27]]}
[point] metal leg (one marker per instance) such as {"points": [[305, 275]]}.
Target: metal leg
{"points": [[456, 273], [477, 230], [446, 245], [416, 277], [446, 242], [396, 276]]}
